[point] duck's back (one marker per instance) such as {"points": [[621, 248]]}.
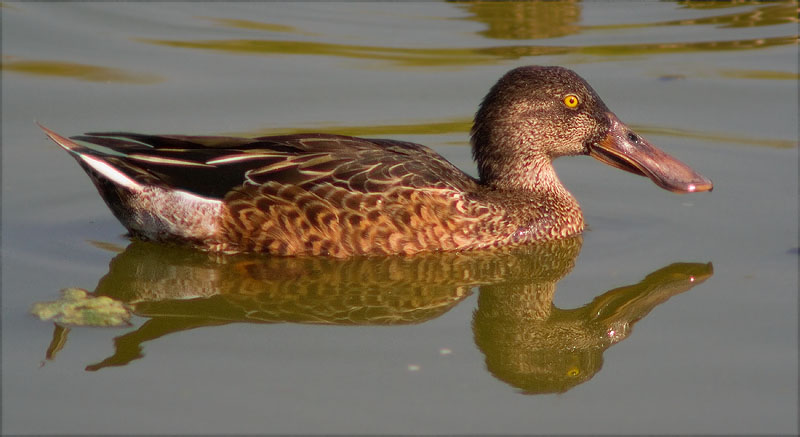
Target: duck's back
{"points": [[307, 194], [211, 166]]}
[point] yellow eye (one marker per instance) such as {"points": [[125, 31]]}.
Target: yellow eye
{"points": [[573, 372], [571, 101]]}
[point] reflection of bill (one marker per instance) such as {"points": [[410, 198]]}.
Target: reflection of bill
{"points": [[522, 335], [538, 348]]}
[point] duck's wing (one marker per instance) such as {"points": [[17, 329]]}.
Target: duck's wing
{"points": [[356, 165], [212, 166]]}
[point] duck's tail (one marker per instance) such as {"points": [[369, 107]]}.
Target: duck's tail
{"points": [[92, 159], [143, 204]]}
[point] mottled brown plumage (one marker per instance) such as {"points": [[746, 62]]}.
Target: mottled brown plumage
{"points": [[321, 194]]}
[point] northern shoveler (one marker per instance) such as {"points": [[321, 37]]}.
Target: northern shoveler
{"points": [[333, 195]]}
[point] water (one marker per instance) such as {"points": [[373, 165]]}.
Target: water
{"points": [[271, 346]]}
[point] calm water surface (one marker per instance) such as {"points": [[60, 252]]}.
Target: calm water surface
{"points": [[672, 314]]}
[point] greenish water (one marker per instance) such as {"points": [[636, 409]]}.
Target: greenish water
{"points": [[672, 314]]}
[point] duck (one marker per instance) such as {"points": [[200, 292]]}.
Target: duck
{"points": [[320, 194]]}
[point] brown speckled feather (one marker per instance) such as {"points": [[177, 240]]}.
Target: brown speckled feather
{"points": [[343, 196]]}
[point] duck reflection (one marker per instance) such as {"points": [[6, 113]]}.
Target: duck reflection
{"points": [[538, 348], [527, 341]]}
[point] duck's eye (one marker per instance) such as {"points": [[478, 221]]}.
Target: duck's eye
{"points": [[571, 101]]}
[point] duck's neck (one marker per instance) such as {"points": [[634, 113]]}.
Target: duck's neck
{"points": [[529, 172], [535, 174], [514, 163], [537, 177]]}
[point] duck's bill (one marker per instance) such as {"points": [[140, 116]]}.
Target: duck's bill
{"points": [[623, 149]]}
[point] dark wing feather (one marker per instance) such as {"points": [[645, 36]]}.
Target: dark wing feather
{"points": [[361, 165], [170, 162], [213, 166]]}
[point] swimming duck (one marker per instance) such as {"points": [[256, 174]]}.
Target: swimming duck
{"points": [[339, 196]]}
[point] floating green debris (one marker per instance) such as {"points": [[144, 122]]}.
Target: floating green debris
{"points": [[79, 307]]}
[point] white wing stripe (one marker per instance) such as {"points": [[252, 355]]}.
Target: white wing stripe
{"points": [[237, 158], [110, 172], [169, 161]]}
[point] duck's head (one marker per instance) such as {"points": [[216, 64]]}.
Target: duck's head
{"points": [[534, 114]]}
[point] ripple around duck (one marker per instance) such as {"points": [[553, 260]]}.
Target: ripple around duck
{"points": [[442, 57], [256, 25], [542, 20], [72, 70], [769, 15], [462, 126]]}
